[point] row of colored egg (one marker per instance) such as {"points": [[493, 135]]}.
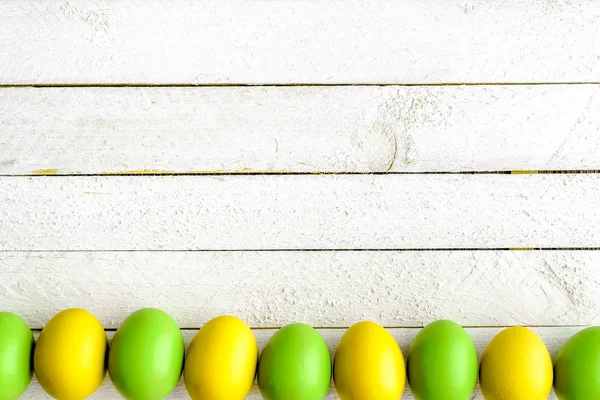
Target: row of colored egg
{"points": [[146, 358]]}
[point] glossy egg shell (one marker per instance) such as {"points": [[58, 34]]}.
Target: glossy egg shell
{"points": [[69, 356], [368, 364], [516, 366], [442, 363], [221, 361], [146, 355], [295, 365], [16, 346], [577, 366]]}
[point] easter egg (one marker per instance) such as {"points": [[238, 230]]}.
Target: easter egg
{"points": [[146, 355], [69, 355], [577, 367], [516, 366], [221, 361], [368, 364], [16, 345], [295, 365], [442, 363]]}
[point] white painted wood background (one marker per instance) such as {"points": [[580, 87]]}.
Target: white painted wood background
{"points": [[300, 212], [92, 130], [325, 289], [371, 179], [292, 41]]}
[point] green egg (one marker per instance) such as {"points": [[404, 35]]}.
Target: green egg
{"points": [[577, 366], [146, 355], [442, 363], [295, 365], [16, 345]]}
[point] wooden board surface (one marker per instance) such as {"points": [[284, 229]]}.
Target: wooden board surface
{"points": [[298, 129], [266, 212], [329, 41], [324, 289], [554, 338], [212, 129]]}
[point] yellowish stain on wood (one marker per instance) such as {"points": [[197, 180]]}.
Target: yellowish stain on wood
{"points": [[523, 172], [45, 172], [208, 172]]}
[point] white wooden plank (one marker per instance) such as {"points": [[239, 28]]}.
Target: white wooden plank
{"points": [[96, 130], [498, 128], [299, 212], [217, 129], [554, 338], [332, 41], [325, 289]]}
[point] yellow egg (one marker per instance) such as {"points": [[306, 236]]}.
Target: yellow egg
{"points": [[221, 361], [368, 364], [516, 366], [69, 355]]}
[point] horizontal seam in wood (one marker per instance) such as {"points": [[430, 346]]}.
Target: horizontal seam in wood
{"points": [[281, 173], [311, 250], [74, 85]]}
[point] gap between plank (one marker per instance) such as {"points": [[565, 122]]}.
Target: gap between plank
{"points": [[312, 250], [42, 173], [61, 85]]}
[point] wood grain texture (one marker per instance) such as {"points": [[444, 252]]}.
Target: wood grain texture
{"points": [[324, 289], [266, 212], [554, 338], [332, 41], [96, 130], [217, 129]]}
